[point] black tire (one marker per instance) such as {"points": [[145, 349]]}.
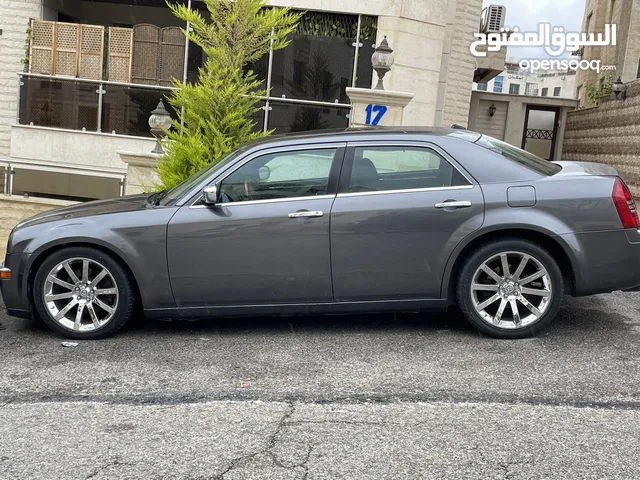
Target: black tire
{"points": [[124, 307], [490, 250]]}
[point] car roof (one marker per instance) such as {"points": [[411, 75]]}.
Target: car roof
{"points": [[359, 133]]}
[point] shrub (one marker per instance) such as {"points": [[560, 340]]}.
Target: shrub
{"points": [[215, 113]]}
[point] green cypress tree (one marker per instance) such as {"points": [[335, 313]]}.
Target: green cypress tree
{"points": [[218, 108]]}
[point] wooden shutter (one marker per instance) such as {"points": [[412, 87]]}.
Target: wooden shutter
{"points": [[41, 48], [120, 47], [171, 56], [146, 54], [66, 49], [91, 55], [65, 54]]}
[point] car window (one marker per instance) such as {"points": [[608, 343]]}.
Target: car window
{"points": [[401, 168], [176, 193], [527, 159], [290, 174]]}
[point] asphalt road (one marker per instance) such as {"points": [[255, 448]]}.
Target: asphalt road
{"points": [[357, 397]]}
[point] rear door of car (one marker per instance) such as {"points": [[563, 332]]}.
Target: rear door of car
{"points": [[267, 241], [401, 209]]}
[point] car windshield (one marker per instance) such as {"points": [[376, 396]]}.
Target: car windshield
{"points": [[177, 192], [527, 159]]}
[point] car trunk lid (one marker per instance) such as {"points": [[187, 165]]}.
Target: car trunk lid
{"points": [[586, 168]]}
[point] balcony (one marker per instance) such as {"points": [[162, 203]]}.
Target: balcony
{"points": [[90, 88], [124, 108]]}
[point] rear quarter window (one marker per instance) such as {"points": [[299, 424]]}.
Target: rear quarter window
{"points": [[522, 157]]}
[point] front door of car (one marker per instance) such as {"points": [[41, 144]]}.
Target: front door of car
{"points": [[400, 211], [267, 240]]}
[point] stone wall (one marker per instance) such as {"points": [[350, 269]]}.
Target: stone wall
{"points": [[609, 133], [456, 73], [15, 15], [14, 209]]}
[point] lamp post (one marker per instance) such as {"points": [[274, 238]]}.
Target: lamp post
{"points": [[160, 122], [382, 60]]}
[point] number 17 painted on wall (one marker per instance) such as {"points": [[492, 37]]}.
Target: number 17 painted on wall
{"points": [[379, 110]]}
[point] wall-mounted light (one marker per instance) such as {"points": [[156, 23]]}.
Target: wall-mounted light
{"points": [[620, 89], [492, 110]]}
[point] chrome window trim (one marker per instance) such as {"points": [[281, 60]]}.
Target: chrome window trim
{"points": [[250, 156], [255, 202], [416, 143], [406, 190]]}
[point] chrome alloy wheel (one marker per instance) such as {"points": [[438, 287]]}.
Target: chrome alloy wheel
{"points": [[511, 290], [80, 294]]}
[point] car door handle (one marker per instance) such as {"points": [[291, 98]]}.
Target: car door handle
{"points": [[313, 213], [455, 204]]}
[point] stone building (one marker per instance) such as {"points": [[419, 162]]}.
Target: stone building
{"points": [[625, 55], [61, 129], [513, 80]]}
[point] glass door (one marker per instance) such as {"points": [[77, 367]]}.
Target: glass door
{"points": [[540, 129]]}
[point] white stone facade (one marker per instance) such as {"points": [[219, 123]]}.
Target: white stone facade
{"points": [[14, 20], [430, 39]]}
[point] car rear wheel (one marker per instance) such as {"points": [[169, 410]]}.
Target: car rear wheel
{"points": [[510, 288], [83, 293]]}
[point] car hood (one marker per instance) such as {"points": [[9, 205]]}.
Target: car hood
{"points": [[96, 207]]}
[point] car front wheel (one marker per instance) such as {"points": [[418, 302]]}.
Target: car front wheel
{"points": [[510, 288], [83, 293]]}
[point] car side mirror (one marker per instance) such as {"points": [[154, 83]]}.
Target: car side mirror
{"points": [[210, 195]]}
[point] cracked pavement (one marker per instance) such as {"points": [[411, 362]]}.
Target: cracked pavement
{"points": [[349, 397]]}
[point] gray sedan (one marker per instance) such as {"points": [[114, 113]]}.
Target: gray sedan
{"points": [[364, 220]]}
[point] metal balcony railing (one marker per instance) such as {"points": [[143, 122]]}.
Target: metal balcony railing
{"points": [[91, 105], [125, 108]]}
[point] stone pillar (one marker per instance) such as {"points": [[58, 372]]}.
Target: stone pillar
{"points": [[141, 171], [15, 15], [377, 107]]}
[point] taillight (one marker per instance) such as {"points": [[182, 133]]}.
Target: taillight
{"points": [[625, 205]]}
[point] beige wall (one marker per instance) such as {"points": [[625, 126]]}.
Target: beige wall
{"points": [[14, 16], [74, 147], [609, 133], [457, 64], [493, 126], [515, 115], [15, 209]]}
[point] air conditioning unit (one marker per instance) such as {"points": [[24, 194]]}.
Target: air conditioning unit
{"points": [[492, 18]]}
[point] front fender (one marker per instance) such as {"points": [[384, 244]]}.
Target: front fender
{"points": [[138, 239]]}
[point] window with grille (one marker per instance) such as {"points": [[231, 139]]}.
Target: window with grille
{"points": [[556, 92], [514, 88]]}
